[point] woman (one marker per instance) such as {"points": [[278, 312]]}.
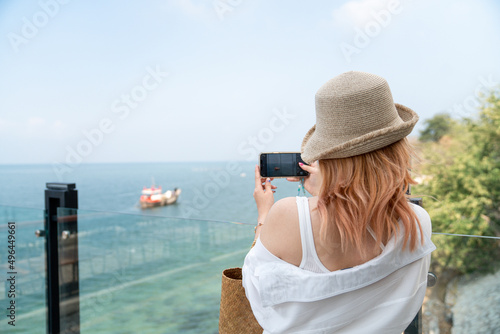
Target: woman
{"points": [[354, 257]]}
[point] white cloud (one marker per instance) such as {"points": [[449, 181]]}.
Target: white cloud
{"points": [[359, 12], [58, 124], [192, 9]]}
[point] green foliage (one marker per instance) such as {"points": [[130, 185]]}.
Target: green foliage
{"points": [[462, 173], [436, 128]]}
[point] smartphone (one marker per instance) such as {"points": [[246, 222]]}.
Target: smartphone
{"points": [[281, 164]]}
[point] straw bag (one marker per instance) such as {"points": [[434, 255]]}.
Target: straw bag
{"points": [[236, 316]]}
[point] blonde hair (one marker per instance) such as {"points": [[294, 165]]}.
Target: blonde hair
{"points": [[368, 190]]}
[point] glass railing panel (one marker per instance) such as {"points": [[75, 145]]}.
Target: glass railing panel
{"points": [[466, 298], [153, 274], [22, 265]]}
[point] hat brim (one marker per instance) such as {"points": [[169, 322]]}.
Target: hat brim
{"points": [[315, 148]]}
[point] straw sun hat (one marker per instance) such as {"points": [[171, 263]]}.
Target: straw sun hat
{"points": [[355, 114]]}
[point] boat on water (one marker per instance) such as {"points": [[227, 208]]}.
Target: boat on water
{"points": [[154, 196]]}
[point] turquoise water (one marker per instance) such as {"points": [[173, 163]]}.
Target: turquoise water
{"points": [[141, 271], [210, 190]]}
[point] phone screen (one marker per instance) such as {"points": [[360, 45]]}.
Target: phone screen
{"points": [[281, 165]]}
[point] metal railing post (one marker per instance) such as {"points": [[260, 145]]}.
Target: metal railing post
{"points": [[61, 244]]}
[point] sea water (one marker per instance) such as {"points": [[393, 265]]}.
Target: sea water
{"points": [[140, 271]]}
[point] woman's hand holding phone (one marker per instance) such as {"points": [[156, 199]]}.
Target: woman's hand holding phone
{"points": [[312, 183]]}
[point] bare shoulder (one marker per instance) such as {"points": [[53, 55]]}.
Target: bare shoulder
{"points": [[284, 207], [280, 215], [281, 232]]}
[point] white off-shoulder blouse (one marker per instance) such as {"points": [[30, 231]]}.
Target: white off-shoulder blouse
{"points": [[380, 296]]}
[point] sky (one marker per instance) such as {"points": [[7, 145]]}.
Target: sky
{"points": [[216, 80]]}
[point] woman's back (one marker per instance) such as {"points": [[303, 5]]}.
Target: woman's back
{"points": [[288, 245]]}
